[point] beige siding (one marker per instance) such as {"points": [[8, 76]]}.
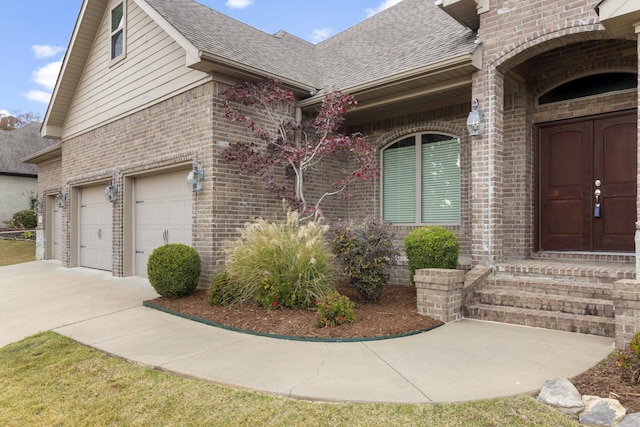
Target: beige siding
{"points": [[153, 69]]}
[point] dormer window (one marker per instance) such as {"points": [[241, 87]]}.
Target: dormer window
{"points": [[117, 31]]}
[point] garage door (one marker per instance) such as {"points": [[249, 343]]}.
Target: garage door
{"points": [[56, 233], [95, 229], [162, 215]]}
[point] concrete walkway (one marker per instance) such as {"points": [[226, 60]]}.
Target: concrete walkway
{"points": [[466, 360]]}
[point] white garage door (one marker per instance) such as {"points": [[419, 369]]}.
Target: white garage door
{"points": [[57, 232], [162, 215], [95, 229]]}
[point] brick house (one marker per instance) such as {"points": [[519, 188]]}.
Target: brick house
{"points": [[137, 106]]}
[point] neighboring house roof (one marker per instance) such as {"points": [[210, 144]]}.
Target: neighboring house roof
{"points": [[408, 42], [14, 146]]}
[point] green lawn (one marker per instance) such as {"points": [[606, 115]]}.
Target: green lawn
{"points": [[50, 380], [16, 251]]}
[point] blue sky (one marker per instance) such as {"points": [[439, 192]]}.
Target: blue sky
{"points": [[36, 34]]}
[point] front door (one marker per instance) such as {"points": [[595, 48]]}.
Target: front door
{"points": [[587, 184]]}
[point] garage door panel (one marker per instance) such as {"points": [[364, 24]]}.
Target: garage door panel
{"points": [[162, 215], [96, 232]]}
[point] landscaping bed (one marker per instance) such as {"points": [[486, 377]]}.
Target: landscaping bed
{"points": [[394, 313]]}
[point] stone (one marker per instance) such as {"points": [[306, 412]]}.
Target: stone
{"points": [[630, 420], [601, 412], [562, 395]]}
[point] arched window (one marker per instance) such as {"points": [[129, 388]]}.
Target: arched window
{"points": [[595, 84], [421, 180]]}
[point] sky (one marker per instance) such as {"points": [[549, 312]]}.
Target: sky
{"points": [[35, 35]]}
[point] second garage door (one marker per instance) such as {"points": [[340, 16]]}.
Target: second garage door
{"points": [[95, 229], [162, 215]]}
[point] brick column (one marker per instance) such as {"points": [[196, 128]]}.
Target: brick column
{"points": [[487, 169], [440, 293], [626, 303]]}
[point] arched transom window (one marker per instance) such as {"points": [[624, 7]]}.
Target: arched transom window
{"points": [[421, 180]]}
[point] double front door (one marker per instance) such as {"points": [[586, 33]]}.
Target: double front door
{"points": [[587, 172]]}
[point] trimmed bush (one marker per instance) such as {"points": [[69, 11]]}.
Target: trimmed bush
{"points": [[281, 264], [431, 247], [366, 251], [334, 310], [174, 270], [25, 219]]}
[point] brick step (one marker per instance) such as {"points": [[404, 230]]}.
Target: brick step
{"points": [[584, 273], [551, 287], [546, 302], [594, 325]]}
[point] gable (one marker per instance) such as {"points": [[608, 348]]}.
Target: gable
{"points": [[152, 69]]}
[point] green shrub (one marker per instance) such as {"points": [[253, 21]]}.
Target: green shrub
{"points": [[366, 251], [286, 263], [629, 359], [431, 247], [333, 310], [221, 290], [174, 270], [25, 219]]}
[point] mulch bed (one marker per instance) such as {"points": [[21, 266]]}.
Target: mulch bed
{"points": [[394, 313]]}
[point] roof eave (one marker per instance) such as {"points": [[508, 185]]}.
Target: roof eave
{"points": [[471, 61], [43, 156], [619, 17]]}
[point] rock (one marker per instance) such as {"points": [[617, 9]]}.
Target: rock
{"points": [[562, 395], [601, 412], [631, 420]]}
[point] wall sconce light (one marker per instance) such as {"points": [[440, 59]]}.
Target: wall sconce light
{"points": [[195, 179], [37, 207], [475, 121], [61, 199], [111, 192]]}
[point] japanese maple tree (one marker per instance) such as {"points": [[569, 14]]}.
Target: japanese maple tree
{"points": [[300, 146]]}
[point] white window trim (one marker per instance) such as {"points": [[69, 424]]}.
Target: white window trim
{"points": [[418, 207], [123, 55]]}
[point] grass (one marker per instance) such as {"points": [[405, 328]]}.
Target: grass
{"points": [[16, 252], [50, 380]]}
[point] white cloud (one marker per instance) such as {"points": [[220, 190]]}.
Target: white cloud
{"points": [[4, 113], [45, 51], [238, 4], [38, 96], [384, 5], [46, 76], [320, 34]]}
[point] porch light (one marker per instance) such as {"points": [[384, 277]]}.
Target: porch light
{"points": [[195, 179], [61, 199], [475, 121], [111, 192], [37, 207]]}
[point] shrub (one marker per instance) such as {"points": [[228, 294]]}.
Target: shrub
{"points": [[25, 219], [333, 310], [629, 359], [174, 270], [221, 290], [431, 247], [286, 263], [366, 251]]}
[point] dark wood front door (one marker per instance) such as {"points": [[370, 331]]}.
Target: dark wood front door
{"points": [[576, 158]]}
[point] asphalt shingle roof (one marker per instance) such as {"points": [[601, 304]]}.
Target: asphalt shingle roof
{"points": [[411, 34], [17, 145]]}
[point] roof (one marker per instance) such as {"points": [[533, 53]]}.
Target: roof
{"points": [[15, 145], [407, 36], [410, 38]]}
